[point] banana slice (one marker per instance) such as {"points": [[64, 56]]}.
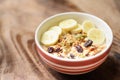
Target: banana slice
{"points": [[87, 25], [57, 29], [97, 36], [78, 29], [49, 37], [68, 24]]}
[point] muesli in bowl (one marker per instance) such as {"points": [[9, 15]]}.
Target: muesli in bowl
{"points": [[73, 40]]}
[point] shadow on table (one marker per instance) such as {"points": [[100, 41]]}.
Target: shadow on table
{"points": [[109, 70]]}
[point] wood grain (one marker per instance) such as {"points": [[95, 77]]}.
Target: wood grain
{"points": [[18, 21]]}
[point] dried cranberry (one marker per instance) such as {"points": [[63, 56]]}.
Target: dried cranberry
{"points": [[50, 49], [92, 49], [88, 43], [79, 49], [87, 54]]}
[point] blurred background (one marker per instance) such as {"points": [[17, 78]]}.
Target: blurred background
{"points": [[20, 18], [29, 13]]}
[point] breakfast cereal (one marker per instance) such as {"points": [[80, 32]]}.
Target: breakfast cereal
{"points": [[72, 40]]}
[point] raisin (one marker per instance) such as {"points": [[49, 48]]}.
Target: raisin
{"points": [[88, 43], [50, 49], [79, 49], [72, 56], [58, 50]]}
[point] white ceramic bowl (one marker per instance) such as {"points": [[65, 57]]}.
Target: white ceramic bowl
{"points": [[73, 66]]}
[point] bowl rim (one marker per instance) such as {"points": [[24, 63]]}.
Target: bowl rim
{"points": [[72, 60]]}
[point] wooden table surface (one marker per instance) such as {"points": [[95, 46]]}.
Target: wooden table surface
{"points": [[18, 21]]}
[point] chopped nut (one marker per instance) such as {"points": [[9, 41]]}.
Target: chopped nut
{"points": [[71, 43], [59, 40], [61, 56]]}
